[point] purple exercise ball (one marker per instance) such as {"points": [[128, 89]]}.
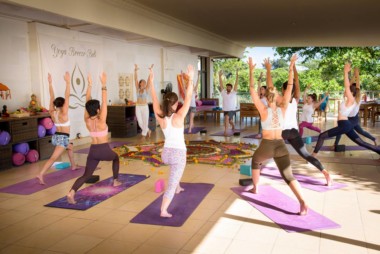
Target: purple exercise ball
{"points": [[51, 131], [22, 148], [5, 137], [41, 131]]}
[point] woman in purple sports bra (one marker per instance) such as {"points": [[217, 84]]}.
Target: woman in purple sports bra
{"points": [[59, 113], [172, 125], [95, 117]]}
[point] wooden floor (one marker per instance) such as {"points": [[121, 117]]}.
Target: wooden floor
{"points": [[223, 223]]}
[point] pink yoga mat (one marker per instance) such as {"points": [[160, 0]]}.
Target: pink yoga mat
{"points": [[305, 181], [283, 210], [229, 133]]}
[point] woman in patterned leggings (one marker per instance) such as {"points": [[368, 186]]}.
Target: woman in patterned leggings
{"points": [[171, 122]]}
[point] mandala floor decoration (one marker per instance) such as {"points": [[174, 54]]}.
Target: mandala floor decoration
{"points": [[206, 152]]}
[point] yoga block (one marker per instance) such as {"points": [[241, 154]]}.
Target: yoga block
{"points": [[62, 165], [245, 170], [245, 182], [340, 148], [159, 186], [93, 179], [203, 131], [237, 133], [308, 140]]}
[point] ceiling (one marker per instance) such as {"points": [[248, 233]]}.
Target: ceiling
{"points": [[270, 23], [285, 23]]}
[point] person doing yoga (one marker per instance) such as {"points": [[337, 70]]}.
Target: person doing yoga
{"points": [[290, 127], [95, 117], [272, 144], [59, 113], [309, 106], [172, 125], [344, 125]]}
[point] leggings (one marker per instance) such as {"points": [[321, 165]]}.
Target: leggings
{"points": [[98, 152], [275, 149], [176, 159], [355, 121], [142, 115], [309, 126], [295, 140], [344, 127]]}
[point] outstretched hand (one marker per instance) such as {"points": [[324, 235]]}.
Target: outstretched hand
{"points": [[89, 79], [151, 73], [267, 64], [251, 65], [49, 78], [67, 77], [293, 60], [347, 67], [136, 67], [220, 73], [103, 79], [190, 71]]}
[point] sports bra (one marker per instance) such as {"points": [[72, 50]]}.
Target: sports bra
{"points": [[57, 123], [98, 134], [344, 111], [143, 95], [274, 121]]}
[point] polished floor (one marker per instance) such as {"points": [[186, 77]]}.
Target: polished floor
{"points": [[222, 223]]}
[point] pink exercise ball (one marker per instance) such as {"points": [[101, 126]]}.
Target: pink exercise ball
{"points": [[22, 148], [18, 159], [47, 123], [5, 137], [41, 131], [32, 156], [51, 131]]}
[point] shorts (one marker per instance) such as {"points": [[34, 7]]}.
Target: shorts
{"points": [[230, 114], [60, 139], [193, 110]]}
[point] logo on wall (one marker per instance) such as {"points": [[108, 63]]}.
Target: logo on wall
{"points": [[125, 86], [78, 84]]}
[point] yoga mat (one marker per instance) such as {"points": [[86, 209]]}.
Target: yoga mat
{"points": [[348, 148], [182, 206], [193, 130], [97, 193], [31, 186], [341, 160], [283, 210], [254, 136], [313, 139], [229, 133], [112, 145], [305, 181]]}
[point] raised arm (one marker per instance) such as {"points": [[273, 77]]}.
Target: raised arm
{"points": [[297, 92], [103, 107], [255, 97], [350, 97], [147, 84], [88, 94], [189, 92], [65, 107], [156, 105], [289, 88], [197, 84], [317, 104], [268, 67], [236, 80], [358, 93], [221, 87], [51, 93], [259, 83], [136, 78]]}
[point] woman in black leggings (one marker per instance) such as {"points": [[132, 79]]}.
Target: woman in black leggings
{"points": [[344, 125]]}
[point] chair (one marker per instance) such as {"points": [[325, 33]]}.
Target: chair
{"points": [[375, 114], [248, 110]]}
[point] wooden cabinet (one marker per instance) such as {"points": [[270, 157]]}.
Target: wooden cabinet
{"points": [[24, 129], [122, 122]]}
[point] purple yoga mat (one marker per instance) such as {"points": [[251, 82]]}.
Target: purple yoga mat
{"points": [[182, 206], [193, 130], [112, 144], [97, 193], [31, 186], [254, 136], [283, 210], [305, 181], [348, 148], [229, 133]]}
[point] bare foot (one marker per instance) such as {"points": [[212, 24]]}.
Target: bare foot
{"points": [[254, 190], [225, 133], [165, 214], [75, 167], [314, 155], [179, 190], [40, 179], [375, 142], [70, 198], [259, 136], [116, 183], [303, 209], [149, 133], [189, 131], [329, 180]]}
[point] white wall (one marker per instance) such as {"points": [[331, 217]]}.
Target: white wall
{"points": [[20, 61], [14, 62]]}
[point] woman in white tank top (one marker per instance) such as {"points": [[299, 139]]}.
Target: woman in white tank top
{"points": [[172, 124]]}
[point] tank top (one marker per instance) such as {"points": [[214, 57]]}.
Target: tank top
{"points": [[290, 118], [174, 137], [57, 123], [274, 121], [307, 113], [355, 111], [344, 111]]}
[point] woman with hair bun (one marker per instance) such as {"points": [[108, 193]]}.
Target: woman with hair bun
{"points": [[172, 125]]}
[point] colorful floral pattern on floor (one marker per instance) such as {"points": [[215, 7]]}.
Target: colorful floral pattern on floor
{"points": [[205, 152]]}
